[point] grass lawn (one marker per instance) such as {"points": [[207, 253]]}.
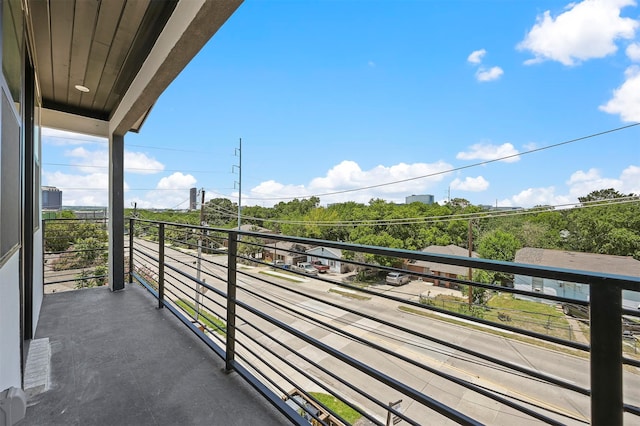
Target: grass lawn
{"points": [[209, 320], [337, 406], [283, 275], [350, 294], [505, 309], [505, 334]]}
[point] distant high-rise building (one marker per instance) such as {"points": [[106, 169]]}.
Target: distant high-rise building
{"points": [[51, 198], [193, 195], [425, 198]]}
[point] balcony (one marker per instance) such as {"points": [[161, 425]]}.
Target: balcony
{"points": [[118, 360], [339, 347]]}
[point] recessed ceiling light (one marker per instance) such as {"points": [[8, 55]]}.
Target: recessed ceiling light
{"points": [[82, 88]]}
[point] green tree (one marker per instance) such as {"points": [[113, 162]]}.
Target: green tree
{"points": [[603, 195], [88, 250], [499, 245], [249, 246], [88, 278], [220, 212]]}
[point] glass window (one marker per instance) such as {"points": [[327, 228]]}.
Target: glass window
{"points": [[37, 192], [12, 32], [9, 179]]}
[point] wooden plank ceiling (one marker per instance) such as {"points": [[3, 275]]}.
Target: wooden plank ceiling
{"points": [[99, 44]]}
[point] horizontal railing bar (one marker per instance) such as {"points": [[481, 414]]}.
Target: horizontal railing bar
{"points": [[568, 275], [632, 362], [633, 409], [169, 305], [301, 372], [378, 375], [74, 279], [460, 281], [324, 370], [451, 378], [270, 396], [593, 278], [450, 345], [278, 387], [243, 372]]}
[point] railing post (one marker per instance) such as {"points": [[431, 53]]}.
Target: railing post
{"points": [[161, 266], [131, 222], [231, 301], [606, 354]]}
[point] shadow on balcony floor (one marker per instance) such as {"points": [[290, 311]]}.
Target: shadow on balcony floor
{"points": [[117, 360]]}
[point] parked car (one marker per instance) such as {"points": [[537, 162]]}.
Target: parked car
{"points": [[306, 268], [397, 278], [321, 267]]}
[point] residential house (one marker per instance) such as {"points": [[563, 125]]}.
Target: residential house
{"points": [[439, 269], [248, 227], [286, 251], [592, 262], [328, 256]]}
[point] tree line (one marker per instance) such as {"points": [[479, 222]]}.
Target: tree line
{"points": [[606, 222]]}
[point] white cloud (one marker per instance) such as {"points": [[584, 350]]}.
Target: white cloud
{"points": [[172, 192], [476, 56], [633, 52], [630, 178], [481, 151], [134, 162], [582, 183], [579, 184], [626, 98], [177, 181], [476, 184], [484, 75], [349, 175], [62, 138], [140, 163], [585, 30], [81, 190], [531, 197]]}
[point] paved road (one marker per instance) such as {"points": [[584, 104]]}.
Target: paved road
{"points": [[566, 406]]}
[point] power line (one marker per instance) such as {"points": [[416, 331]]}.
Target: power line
{"points": [[180, 203], [169, 149], [449, 218], [455, 169], [106, 141], [132, 168]]}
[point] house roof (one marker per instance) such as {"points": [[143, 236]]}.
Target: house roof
{"points": [[450, 250], [592, 262], [124, 53], [326, 251], [248, 227], [287, 246]]}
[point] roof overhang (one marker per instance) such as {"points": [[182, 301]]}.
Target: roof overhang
{"points": [[126, 53]]}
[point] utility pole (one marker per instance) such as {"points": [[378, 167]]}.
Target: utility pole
{"points": [[239, 166]]}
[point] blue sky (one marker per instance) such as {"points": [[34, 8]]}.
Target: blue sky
{"points": [[335, 96]]}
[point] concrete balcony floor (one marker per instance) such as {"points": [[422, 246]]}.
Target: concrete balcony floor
{"points": [[118, 360]]}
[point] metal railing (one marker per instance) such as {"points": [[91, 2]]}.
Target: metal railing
{"points": [[331, 348], [75, 253]]}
